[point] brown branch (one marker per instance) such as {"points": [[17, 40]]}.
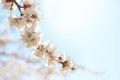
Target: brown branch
{"points": [[11, 5], [18, 6]]}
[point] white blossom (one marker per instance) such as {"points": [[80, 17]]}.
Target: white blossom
{"points": [[48, 51], [28, 23], [8, 4], [62, 57], [27, 1], [30, 5], [30, 16], [52, 58], [67, 65], [31, 36], [39, 52], [66, 62], [16, 22]]}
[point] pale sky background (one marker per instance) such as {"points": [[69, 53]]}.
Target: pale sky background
{"points": [[88, 31]]}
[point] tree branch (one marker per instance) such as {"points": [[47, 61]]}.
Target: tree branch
{"points": [[18, 6]]}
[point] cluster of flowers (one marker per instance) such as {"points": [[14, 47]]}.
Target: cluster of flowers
{"points": [[28, 24]]}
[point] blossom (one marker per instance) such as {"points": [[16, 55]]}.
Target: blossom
{"points": [[30, 16], [48, 51], [27, 1], [29, 4], [62, 57], [31, 36], [28, 24], [8, 4], [44, 48], [67, 63], [52, 58], [16, 22]]}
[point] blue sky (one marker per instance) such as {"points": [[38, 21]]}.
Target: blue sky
{"points": [[88, 31]]}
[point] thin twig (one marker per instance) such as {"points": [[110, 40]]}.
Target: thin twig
{"points": [[11, 5], [18, 6]]}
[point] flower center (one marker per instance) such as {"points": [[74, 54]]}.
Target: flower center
{"points": [[8, 1]]}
